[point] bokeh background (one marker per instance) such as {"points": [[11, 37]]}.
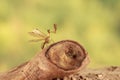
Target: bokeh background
{"points": [[93, 23]]}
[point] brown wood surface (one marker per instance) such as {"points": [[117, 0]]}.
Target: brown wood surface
{"points": [[107, 73], [58, 60]]}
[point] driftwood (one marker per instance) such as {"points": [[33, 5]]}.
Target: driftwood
{"points": [[56, 61]]}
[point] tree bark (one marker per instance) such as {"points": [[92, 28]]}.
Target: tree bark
{"points": [[107, 73], [58, 60]]}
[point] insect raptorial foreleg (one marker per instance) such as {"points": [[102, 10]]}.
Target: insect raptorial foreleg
{"points": [[54, 31]]}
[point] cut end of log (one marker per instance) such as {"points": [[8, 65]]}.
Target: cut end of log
{"points": [[66, 54]]}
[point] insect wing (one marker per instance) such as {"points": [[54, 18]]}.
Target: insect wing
{"points": [[35, 40], [37, 33]]}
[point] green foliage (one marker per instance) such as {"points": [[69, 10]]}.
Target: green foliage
{"points": [[93, 23]]}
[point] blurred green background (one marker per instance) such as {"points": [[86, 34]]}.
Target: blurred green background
{"points": [[93, 23]]}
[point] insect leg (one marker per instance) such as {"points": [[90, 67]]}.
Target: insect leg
{"points": [[43, 45], [54, 31], [55, 28]]}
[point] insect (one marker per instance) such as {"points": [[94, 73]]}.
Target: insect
{"points": [[42, 36]]}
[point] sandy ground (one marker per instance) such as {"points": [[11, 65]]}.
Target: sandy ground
{"points": [[109, 73]]}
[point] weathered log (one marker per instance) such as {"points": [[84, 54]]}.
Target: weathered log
{"points": [[58, 60], [106, 73]]}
